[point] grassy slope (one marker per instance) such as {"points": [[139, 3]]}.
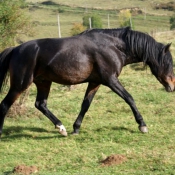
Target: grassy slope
{"points": [[156, 20], [110, 4], [108, 128]]}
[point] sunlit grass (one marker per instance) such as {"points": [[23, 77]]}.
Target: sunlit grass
{"points": [[46, 18], [111, 4], [108, 128]]}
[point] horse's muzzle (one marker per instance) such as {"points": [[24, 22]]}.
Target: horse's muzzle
{"points": [[169, 89], [171, 84]]}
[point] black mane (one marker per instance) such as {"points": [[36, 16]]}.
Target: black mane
{"points": [[146, 48], [135, 42]]}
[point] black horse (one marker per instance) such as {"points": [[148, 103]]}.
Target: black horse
{"points": [[95, 56]]}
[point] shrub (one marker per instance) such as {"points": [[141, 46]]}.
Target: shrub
{"points": [[96, 21], [124, 18], [77, 28], [172, 22]]}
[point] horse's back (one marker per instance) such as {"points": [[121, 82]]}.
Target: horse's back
{"points": [[65, 61]]}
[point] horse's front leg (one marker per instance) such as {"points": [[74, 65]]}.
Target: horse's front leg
{"points": [[116, 86], [89, 95]]}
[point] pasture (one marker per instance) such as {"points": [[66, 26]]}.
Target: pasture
{"points": [[108, 128], [45, 16], [102, 4], [30, 139]]}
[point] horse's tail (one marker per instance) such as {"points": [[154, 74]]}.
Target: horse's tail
{"points": [[4, 65]]}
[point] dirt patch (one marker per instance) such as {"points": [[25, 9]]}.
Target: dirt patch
{"points": [[114, 159], [25, 170]]}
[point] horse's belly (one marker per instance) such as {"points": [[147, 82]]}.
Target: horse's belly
{"points": [[69, 73]]}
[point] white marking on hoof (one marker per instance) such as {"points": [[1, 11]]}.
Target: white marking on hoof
{"points": [[62, 130], [143, 129]]}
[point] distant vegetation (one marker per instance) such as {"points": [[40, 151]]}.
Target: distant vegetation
{"points": [[96, 21], [172, 22], [166, 6], [13, 22], [77, 28], [125, 18], [145, 15]]}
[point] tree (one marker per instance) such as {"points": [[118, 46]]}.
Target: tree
{"points": [[77, 28], [96, 21], [13, 21]]}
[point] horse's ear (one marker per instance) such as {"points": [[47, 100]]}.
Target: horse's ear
{"points": [[166, 48]]}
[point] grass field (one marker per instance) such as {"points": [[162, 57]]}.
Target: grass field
{"points": [[108, 127], [110, 4], [46, 16]]}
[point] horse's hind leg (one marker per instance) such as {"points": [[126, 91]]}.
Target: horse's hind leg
{"points": [[43, 89], [89, 95], [5, 105]]}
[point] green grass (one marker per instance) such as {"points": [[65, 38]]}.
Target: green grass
{"points": [[108, 128], [70, 13], [110, 4]]}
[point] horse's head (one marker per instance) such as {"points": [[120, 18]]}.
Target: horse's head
{"points": [[163, 70]]}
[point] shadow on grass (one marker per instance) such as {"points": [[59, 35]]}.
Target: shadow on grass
{"points": [[14, 132], [116, 128], [8, 173]]}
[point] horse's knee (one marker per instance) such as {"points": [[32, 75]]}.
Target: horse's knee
{"points": [[39, 105]]}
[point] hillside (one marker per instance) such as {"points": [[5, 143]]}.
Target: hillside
{"points": [[110, 4], [144, 15]]}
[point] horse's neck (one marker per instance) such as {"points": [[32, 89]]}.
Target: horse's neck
{"points": [[131, 60]]}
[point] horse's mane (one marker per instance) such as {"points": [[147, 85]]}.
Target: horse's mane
{"points": [[148, 49], [142, 45], [138, 44]]}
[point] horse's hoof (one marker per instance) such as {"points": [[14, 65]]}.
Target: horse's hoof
{"points": [[75, 133], [62, 130], [143, 129], [64, 133]]}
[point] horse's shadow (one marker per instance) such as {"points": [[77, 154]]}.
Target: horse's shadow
{"points": [[17, 132], [116, 128], [14, 132]]}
